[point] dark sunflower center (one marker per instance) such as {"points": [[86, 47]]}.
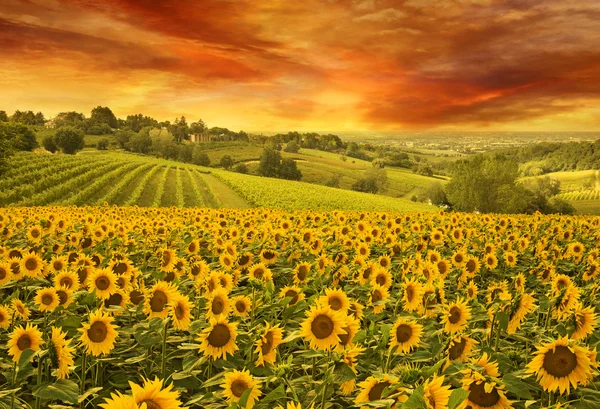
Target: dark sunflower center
{"points": [[470, 266], [24, 342], [238, 387], [380, 279], [403, 333], [62, 296], [458, 258], [166, 259], [240, 306], [217, 306], [376, 295], [58, 265], [377, 390], [335, 303], [120, 268], [2, 273], [102, 283], [367, 273], [219, 336], [293, 294], [114, 299], [82, 273], [322, 326], [150, 404], [457, 349], [560, 362], [244, 260], [267, 345], [410, 293], [179, 312], [66, 282], [455, 315], [47, 299], [479, 396], [195, 270], [442, 268], [31, 264], [158, 301], [136, 297], [97, 332], [258, 273]]}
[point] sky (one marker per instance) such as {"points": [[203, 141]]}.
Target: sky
{"points": [[309, 65]]}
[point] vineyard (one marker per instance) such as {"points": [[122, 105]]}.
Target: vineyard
{"points": [[126, 180], [588, 194], [143, 308]]}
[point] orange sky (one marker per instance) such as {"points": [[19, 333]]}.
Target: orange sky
{"points": [[322, 65]]}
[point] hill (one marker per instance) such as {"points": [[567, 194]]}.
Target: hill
{"points": [[95, 178]]}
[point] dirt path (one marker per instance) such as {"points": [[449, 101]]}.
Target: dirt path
{"points": [[225, 195]]}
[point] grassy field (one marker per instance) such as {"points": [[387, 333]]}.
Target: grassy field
{"points": [[95, 178]]}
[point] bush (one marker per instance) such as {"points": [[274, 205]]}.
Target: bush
{"points": [[288, 170], [226, 161], [69, 139], [102, 144], [49, 143], [200, 158], [366, 185], [292, 147], [19, 136], [140, 143], [241, 168]]}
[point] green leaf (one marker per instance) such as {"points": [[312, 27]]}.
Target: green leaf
{"points": [[517, 386], [342, 373], [244, 398], [416, 400], [64, 389], [457, 397], [89, 392], [502, 318], [275, 394], [431, 370], [25, 358]]}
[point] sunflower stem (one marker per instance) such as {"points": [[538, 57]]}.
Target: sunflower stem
{"points": [[164, 352], [39, 381], [548, 318], [82, 386], [498, 332], [14, 381]]}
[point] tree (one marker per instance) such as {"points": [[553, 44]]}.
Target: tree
{"points": [[49, 144], [105, 115], [140, 142], [70, 118], [292, 147], [69, 139], [379, 178], [139, 121], [24, 117], [365, 185], [198, 128], [186, 152], [240, 168], [288, 170], [6, 146], [435, 193], [226, 161], [485, 183], [3, 116], [19, 136], [102, 144], [200, 158], [123, 137], [269, 163]]}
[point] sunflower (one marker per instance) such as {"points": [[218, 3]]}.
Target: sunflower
{"points": [[167, 259], [456, 317], [337, 300], [64, 296], [5, 317], [67, 279], [61, 353], [381, 277], [34, 234], [488, 368], [472, 290], [98, 336], [19, 309], [295, 294], [371, 389], [153, 395], [351, 326], [268, 256], [46, 299], [218, 339], [459, 258], [238, 382], [6, 274], [260, 272], [242, 305], [158, 299], [24, 338], [180, 311], [586, 322], [484, 393], [490, 261], [436, 396], [349, 358], [118, 299], [558, 366], [218, 304], [413, 293], [592, 271], [471, 266], [522, 305], [15, 268], [301, 273], [378, 298], [227, 261], [57, 264], [31, 265], [356, 310], [266, 346], [322, 327], [460, 348], [103, 281], [119, 401], [406, 335]]}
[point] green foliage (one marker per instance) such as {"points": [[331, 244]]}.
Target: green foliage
{"points": [[200, 158], [69, 139], [269, 162], [435, 192], [288, 170], [28, 118], [292, 147], [226, 162], [21, 137], [3, 116], [102, 144], [49, 144], [240, 168], [104, 115], [140, 142]]}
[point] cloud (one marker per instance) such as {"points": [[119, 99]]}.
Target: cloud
{"points": [[382, 15]]}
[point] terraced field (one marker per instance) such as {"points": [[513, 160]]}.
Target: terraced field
{"points": [[96, 178]]}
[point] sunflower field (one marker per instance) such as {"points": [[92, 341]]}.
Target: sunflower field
{"points": [[166, 308]]}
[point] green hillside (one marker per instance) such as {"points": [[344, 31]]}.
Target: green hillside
{"points": [[95, 178]]}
